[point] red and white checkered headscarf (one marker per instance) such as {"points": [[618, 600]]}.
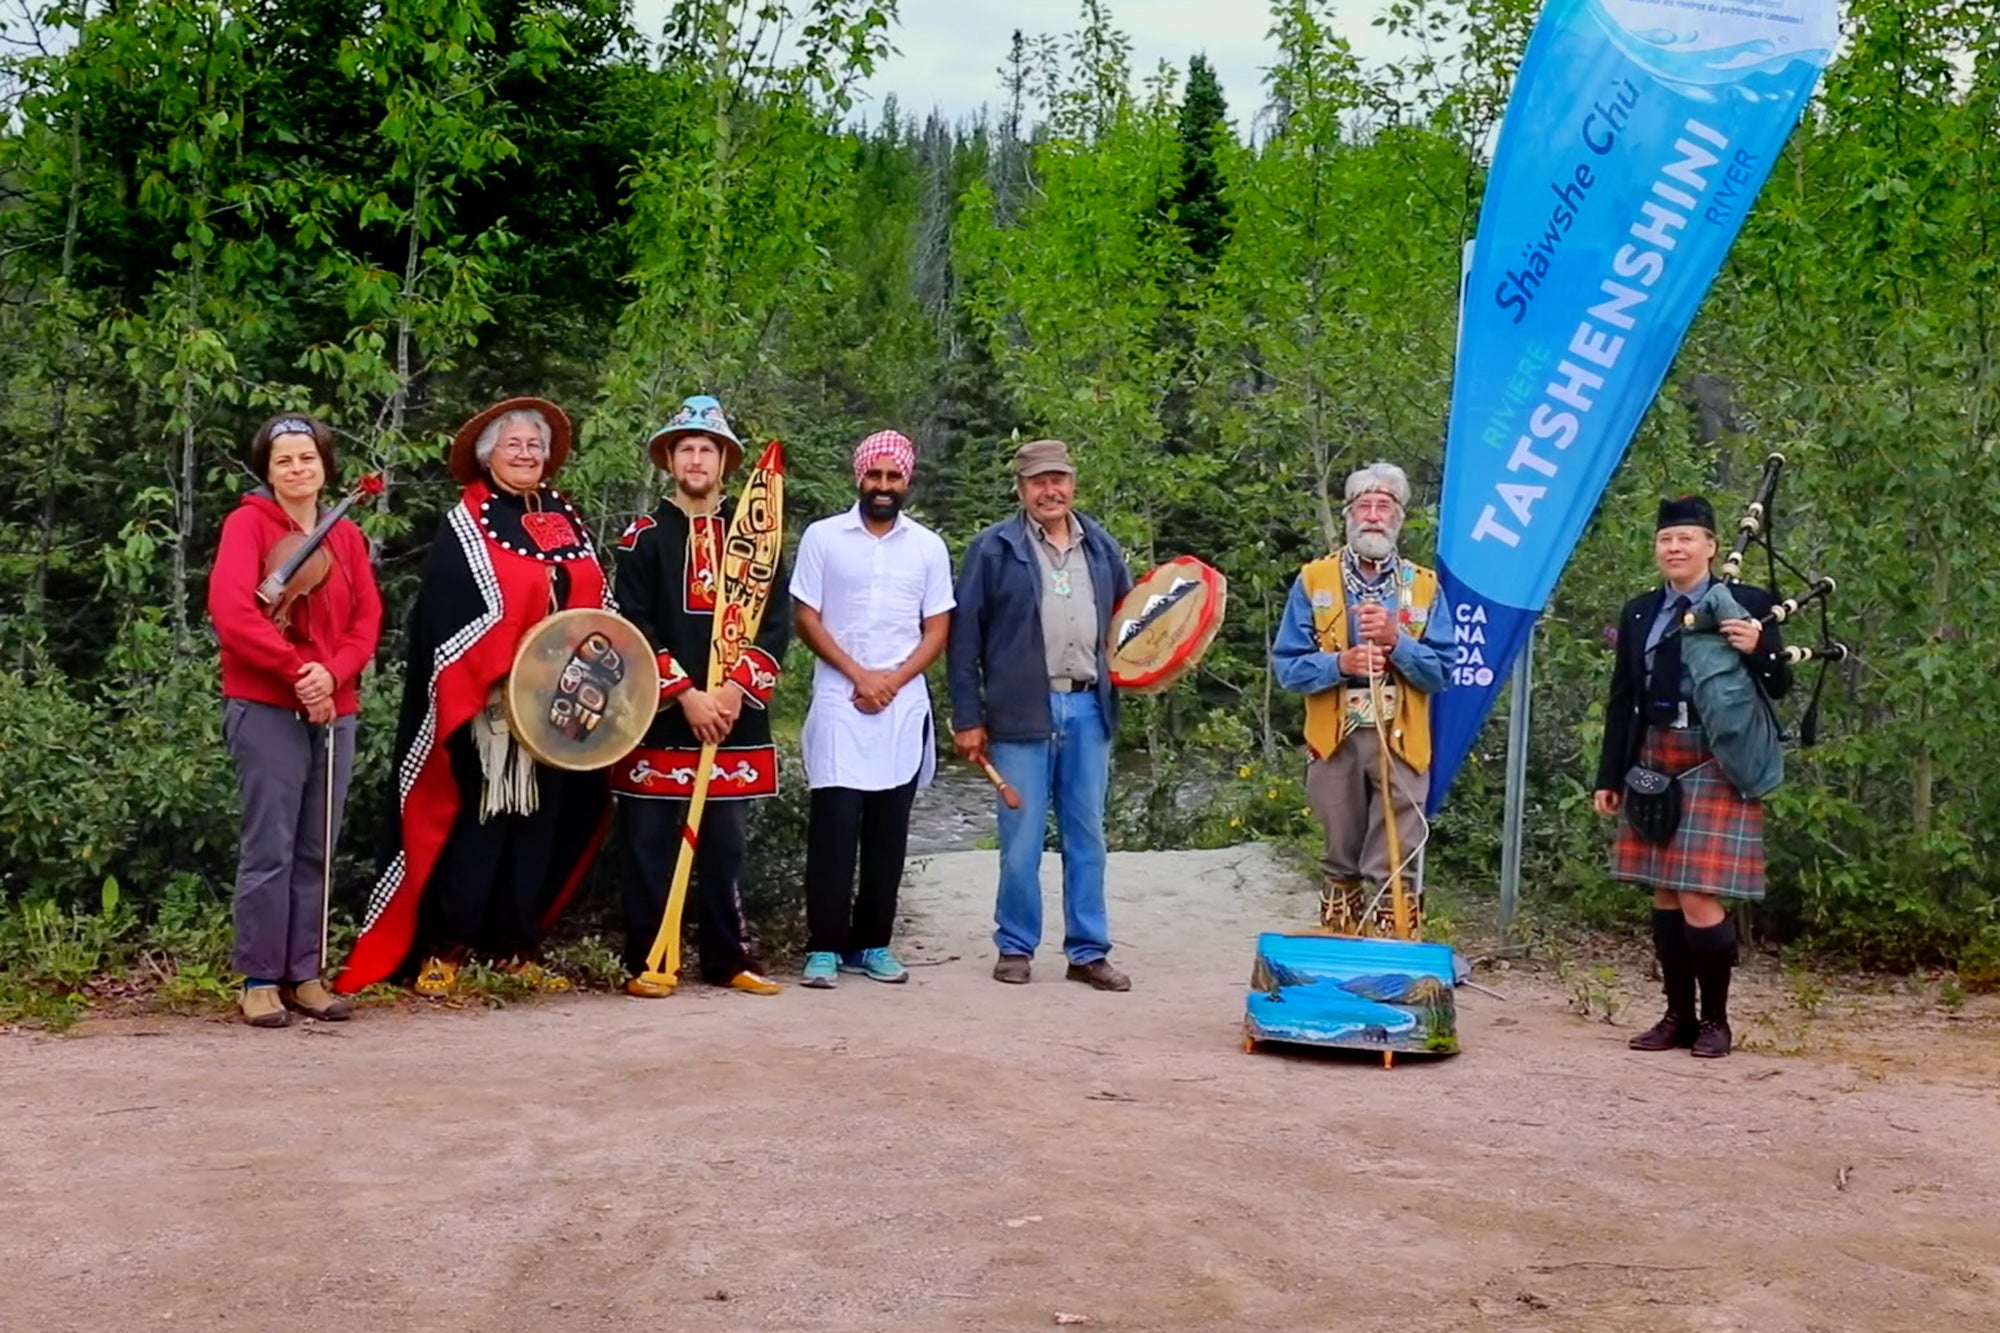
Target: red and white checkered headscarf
{"points": [[885, 444]]}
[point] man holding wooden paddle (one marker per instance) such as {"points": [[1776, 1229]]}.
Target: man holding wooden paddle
{"points": [[683, 569]]}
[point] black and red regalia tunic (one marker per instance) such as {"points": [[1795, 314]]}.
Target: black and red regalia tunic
{"points": [[669, 580]]}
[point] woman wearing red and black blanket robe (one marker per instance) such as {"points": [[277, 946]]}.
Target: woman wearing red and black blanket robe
{"points": [[1716, 851], [487, 845]]}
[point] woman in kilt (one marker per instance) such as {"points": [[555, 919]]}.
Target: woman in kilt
{"points": [[1716, 850]]}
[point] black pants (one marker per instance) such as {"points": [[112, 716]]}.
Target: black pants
{"points": [[845, 825], [492, 880], [651, 844]]}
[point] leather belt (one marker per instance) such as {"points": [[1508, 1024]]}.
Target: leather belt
{"points": [[1071, 686]]}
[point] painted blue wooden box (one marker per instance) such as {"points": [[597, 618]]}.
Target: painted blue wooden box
{"points": [[1392, 996]]}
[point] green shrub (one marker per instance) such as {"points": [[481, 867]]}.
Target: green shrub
{"points": [[64, 817], [49, 947]]}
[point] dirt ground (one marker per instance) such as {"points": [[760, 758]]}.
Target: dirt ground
{"points": [[955, 1154]]}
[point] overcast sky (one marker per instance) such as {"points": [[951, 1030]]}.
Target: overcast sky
{"points": [[949, 51]]}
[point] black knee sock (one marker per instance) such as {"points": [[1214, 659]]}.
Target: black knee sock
{"points": [[1670, 945], [1714, 952]]}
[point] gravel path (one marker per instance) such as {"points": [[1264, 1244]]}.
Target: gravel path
{"points": [[955, 1154]]}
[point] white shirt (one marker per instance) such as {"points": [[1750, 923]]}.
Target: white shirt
{"points": [[873, 595]]}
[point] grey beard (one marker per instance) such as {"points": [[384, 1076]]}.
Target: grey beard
{"points": [[1373, 546]]}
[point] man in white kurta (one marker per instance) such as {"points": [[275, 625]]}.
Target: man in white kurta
{"points": [[872, 597]]}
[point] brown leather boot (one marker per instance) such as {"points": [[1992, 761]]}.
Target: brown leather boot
{"points": [[314, 1000], [1013, 968], [1712, 1042], [1671, 1031], [263, 1008], [1099, 974]]}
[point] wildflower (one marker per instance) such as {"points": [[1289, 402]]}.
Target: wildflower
{"points": [[1245, 771]]}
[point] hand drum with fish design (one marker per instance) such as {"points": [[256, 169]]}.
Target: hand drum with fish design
{"points": [[1165, 624], [584, 688]]}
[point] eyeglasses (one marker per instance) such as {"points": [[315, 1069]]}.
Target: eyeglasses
{"points": [[521, 448]]}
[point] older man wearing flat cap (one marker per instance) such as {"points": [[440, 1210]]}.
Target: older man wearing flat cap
{"points": [[1031, 692]]}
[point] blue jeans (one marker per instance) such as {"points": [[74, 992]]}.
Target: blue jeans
{"points": [[1072, 767]]}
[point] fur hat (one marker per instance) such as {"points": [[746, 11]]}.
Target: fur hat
{"points": [[1379, 479]]}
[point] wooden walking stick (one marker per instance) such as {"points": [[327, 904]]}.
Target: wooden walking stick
{"points": [[1400, 906], [749, 567]]}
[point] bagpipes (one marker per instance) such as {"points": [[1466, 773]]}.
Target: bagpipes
{"points": [[1758, 528]]}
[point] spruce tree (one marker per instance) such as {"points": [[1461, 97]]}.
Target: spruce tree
{"points": [[1198, 203]]}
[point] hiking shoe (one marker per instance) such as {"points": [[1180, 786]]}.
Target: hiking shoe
{"points": [[438, 979], [822, 971], [876, 965], [1671, 1031], [263, 1007], [649, 986], [1099, 975], [314, 1000], [1012, 968], [538, 976], [1712, 1042], [752, 984]]}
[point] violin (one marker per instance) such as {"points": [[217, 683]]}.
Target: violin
{"points": [[298, 562]]}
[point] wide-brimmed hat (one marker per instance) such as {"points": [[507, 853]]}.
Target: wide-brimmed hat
{"points": [[698, 415], [465, 462]]}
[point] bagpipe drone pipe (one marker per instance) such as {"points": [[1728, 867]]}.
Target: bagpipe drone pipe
{"points": [[1757, 529]]}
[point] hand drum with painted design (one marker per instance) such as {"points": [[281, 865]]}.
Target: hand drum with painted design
{"points": [[584, 688], [1165, 624]]}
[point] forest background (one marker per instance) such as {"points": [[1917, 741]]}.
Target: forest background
{"points": [[398, 211]]}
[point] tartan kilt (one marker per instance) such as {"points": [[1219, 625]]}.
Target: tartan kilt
{"points": [[1719, 846]]}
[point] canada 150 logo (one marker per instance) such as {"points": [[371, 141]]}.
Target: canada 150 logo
{"points": [[1469, 633]]}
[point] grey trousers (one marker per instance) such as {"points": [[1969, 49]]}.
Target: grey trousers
{"points": [[280, 786], [1345, 792]]}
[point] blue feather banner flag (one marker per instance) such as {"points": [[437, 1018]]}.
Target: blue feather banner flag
{"points": [[1638, 134]]}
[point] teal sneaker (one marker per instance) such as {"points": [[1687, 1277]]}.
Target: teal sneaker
{"points": [[876, 965], [822, 971]]}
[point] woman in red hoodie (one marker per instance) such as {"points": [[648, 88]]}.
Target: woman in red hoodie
{"points": [[286, 693]]}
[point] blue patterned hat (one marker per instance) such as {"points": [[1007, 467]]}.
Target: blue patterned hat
{"points": [[699, 415]]}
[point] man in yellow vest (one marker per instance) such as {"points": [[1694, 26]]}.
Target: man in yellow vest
{"points": [[1365, 630]]}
